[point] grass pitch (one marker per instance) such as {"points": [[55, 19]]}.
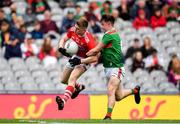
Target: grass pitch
{"points": [[93, 121]]}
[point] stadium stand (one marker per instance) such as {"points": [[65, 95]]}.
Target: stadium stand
{"points": [[30, 75]]}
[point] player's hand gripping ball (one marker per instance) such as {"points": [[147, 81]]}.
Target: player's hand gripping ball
{"points": [[63, 52]]}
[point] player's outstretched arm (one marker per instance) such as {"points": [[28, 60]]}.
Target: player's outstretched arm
{"points": [[96, 49], [76, 60], [90, 59], [62, 41]]}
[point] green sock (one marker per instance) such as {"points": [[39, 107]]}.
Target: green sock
{"points": [[109, 110], [132, 91]]}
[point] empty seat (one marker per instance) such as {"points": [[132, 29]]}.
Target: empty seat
{"points": [[30, 28], [4, 66], [160, 79], [57, 11], [152, 90], [177, 38], [175, 30], [171, 50], [160, 49], [145, 30], [61, 87], [40, 80], [52, 68], [165, 85], [145, 79], [172, 24], [56, 80], [1, 87], [57, 18], [130, 79], [39, 73], [91, 73], [18, 67], [40, 17], [83, 4], [4, 73], [62, 62], [35, 67], [30, 87], [167, 43], [129, 62], [171, 90], [101, 74], [32, 60], [16, 60], [132, 36], [130, 85], [161, 30], [156, 73], [126, 24], [47, 87], [12, 87], [148, 85], [54, 74], [22, 73], [25, 79], [53, 4], [8, 79], [98, 86], [163, 37], [130, 30], [139, 72], [3, 61]]}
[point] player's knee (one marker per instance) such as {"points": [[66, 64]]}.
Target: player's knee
{"points": [[119, 96], [118, 99]]}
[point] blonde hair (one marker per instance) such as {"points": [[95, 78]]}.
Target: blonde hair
{"points": [[82, 22]]}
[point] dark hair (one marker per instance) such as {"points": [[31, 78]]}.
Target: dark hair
{"points": [[77, 6], [1, 10], [174, 55], [82, 22], [136, 40], [107, 2], [5, 21], [156, 10], [108, 18], [46, 47], [154, 51]]}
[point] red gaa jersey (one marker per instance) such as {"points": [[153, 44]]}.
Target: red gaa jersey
{"points": [[85, 42]]}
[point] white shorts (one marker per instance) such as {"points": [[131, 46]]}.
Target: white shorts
{"points": [[117, 72], [85, 66]]}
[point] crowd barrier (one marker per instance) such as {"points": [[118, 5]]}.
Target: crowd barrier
{"points": [[35, 106]]}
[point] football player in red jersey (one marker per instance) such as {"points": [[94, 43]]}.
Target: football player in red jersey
{"points": [[76, 65]]}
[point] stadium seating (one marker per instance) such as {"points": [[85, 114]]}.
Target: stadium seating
{"points": [[30, 76]]}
